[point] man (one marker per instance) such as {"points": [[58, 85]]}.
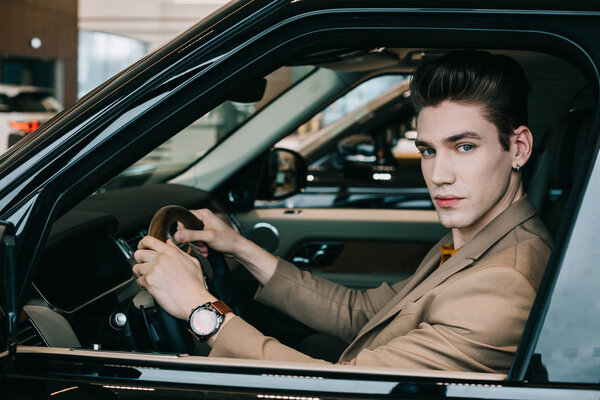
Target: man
{"points": [[466, 305]]}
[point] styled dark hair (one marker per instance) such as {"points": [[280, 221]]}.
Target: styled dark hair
{"points": [[496, 82]]}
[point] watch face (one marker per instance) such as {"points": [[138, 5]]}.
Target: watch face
{"points": [[204, 321]]}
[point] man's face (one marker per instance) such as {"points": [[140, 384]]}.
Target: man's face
{"points": [[467, 172]]}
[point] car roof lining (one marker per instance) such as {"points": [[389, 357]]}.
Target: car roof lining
{"points": [[405, 60], [555, 82]]}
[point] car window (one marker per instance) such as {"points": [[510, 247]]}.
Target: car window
{"points": [[198, 138], [4, 105], [36, 102], [360, 150], [568, 349]]}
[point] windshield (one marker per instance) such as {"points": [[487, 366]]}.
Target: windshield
{"points": [[198, 138]]}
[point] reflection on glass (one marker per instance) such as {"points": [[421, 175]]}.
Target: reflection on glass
{"points": [[285, 181], [194, 141], [361, 96]]}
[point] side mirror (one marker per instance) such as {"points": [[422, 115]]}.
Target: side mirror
{"points": [[284, 175]]}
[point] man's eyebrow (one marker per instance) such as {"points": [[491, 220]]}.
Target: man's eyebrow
{"points": [[450, 139], [461, 136]]}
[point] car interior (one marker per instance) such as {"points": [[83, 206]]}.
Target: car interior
{"points": [[365, 220]]}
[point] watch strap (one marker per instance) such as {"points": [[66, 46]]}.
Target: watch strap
{"points": [[220, 307]]}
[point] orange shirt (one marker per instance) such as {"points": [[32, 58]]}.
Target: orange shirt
{"points": [[447, 252]]}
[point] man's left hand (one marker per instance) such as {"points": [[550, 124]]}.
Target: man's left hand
{"points": [[172, 277]]}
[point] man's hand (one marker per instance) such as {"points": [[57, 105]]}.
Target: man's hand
{"points": [[172, 277], [219, 236], [216, 234]]}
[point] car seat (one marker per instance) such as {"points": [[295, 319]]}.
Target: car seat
{"points": [[555, 162]]}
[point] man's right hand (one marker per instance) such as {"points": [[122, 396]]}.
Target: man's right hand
{"points": [[219, 236]]}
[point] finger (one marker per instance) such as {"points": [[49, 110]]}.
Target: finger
{"points": [[149, 242], [141, 282], [203, 214], [199, 248], [144, 256], [183, 253], [174, 246], [186, 236], [142, 269]]}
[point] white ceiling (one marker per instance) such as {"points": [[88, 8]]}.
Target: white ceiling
{"points": [[152, 21]]}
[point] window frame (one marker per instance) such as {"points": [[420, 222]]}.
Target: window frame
{"points": [[579, 192]]}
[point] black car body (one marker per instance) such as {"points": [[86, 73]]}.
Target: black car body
{"points": [[66, 240]]}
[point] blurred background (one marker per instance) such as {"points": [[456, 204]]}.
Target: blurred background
{"points": [[53, 52], [71, 46]]}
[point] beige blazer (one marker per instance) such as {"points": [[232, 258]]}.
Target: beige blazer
{"points": [[466, 315]]}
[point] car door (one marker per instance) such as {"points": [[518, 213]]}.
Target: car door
{"points": [[359, 248], [89, 373]]}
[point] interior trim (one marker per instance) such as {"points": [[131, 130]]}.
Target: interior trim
{"points": [[184, 359], [346, 224]]}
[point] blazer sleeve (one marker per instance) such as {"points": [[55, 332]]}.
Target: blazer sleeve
{"points": [[474, 324], [321, 304]]}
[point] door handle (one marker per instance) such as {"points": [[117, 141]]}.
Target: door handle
{"points": [[316, 254]]}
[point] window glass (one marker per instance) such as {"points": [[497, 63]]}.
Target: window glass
{"points": [[29, 71], [4, 106], [189, 145], [569, 343], [36, 102], [360, 151], [360, 97]]}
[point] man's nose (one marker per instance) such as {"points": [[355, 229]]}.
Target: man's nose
{"points": [[443, 172]]}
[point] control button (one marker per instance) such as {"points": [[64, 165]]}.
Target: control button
{"points": [[118, 320]]}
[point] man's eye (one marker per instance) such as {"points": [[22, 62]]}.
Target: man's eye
{"points": [[465, 147], [426, 152]]}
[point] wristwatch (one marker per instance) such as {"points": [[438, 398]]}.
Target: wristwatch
{"points": [[205, 320]]}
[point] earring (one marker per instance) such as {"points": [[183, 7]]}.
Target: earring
{"points": [[518, 168]]}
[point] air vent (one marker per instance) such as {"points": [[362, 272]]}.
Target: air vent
{"points": [[129, 243], [28, 334]]}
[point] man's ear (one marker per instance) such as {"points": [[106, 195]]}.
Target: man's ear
{"points": [[521, 145]]}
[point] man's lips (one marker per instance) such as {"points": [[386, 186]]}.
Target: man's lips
{"points": [[447, 201]]}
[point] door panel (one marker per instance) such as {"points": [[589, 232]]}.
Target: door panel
{"points": [[377, 245]]}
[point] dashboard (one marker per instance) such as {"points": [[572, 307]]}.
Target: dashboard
{"points": [[85, 274], [86, 263]]}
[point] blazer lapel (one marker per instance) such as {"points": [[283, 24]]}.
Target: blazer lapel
{"points": [[430, 262], [424, 280], [415, 292]]}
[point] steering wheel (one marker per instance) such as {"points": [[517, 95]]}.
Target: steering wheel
{"points": [[221, 284]]}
